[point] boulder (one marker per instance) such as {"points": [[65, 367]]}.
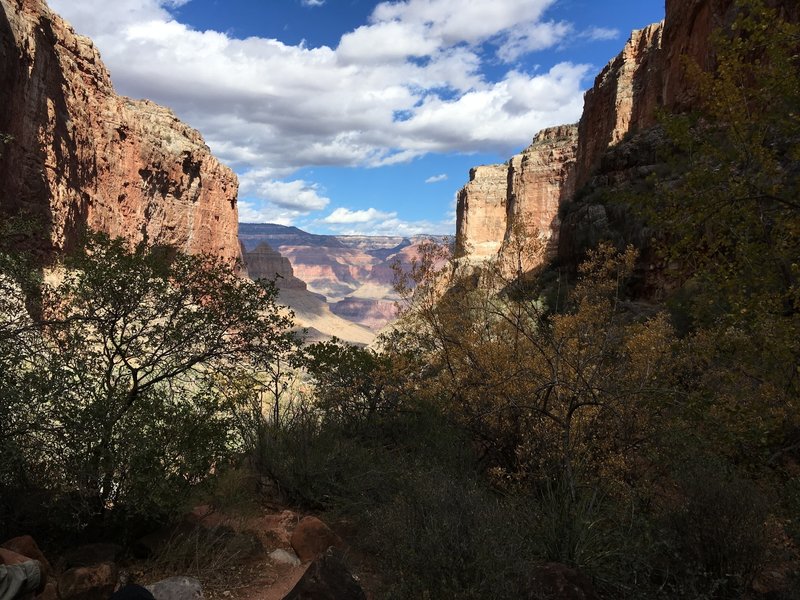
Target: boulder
{"points": [[555, 581], [327, 578], [96, 582], [311, 538], [283, 557], [9, 557], [27, 546], [177, 588]]}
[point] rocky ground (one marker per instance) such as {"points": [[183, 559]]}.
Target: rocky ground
{"points": [[271, 555]]}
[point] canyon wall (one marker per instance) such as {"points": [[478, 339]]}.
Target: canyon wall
{"points": [[624, 98], [265, 263], [481, 212], [525, 192], [647, 75], [81, 156]]}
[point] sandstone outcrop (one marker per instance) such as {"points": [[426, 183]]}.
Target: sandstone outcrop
{"points": [[82, 156], [541, 179], [526, 191], [481, 212], [624, 99]]}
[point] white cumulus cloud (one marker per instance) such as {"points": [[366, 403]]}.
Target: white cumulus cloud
{"points": [[408, 82], [345, 216]]}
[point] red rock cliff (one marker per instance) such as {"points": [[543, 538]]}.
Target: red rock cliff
{"points": [[540, 180], [647, 75], [624, 98], [83, 156]]}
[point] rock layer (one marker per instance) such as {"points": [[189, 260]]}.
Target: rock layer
{"points": [[81, 156], [481, 212], [540, 180], [649, 74], [527, 191], [624, 98], [265, 263]]}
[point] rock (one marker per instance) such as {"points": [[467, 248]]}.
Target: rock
{"points": [[541, 179], [265, 263], [311, 538], [50, 592], [555, 581], [83, 156], [283, 557], [648, 75], [177, 588], [9, 557], [96, 582], [374, 313], [527, 191], [27, 546], [91, 554], [481, 212], [624, 98], [327, 578]]}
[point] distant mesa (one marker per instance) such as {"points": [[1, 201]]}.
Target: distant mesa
{"points": [[353, 273], [265, 263]]}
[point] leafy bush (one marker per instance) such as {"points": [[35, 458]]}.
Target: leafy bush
{"points": [[117, 395]]}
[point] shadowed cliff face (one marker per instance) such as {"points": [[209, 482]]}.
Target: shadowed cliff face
{"points": [[648, 75], [83, 156]]}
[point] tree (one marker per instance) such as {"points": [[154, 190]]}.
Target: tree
{"points": [[730, 220], [349, 381], [132, 377], [545, 395]]}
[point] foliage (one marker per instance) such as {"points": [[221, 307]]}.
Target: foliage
{"points": [[349, 381], [126, 374], [5, 139], [730, 220], [544, 393]]}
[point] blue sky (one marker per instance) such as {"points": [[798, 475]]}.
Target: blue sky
{"points": [[359, 116]]}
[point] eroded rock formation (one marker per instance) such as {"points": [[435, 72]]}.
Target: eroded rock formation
{"points": [[481, 212], [265, 263], [624, 98], [540, 180], [649, 73], [83, 156], [526, 192]]}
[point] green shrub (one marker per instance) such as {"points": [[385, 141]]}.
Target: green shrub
{"points": [[716, 531]]}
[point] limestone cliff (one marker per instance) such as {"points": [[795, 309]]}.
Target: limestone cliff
{"points": [[540, 180], [83, 156], [624, 98], [647, 75], [481, 212], [526, 191]]}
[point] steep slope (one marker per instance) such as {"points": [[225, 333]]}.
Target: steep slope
{"points": [[83, 156], [648, 75], [354, 273]]}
